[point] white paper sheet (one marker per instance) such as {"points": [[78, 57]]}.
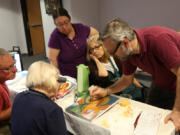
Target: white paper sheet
{"points": [[148, 123]]}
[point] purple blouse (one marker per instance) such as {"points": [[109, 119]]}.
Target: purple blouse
{"points": [[72, 52]]}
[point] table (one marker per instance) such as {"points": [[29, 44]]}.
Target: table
{"points": [[99, 126], [106, 124]]}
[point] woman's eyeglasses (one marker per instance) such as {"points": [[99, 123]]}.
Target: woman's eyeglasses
{"points": [[94, 48], [66, 22]]}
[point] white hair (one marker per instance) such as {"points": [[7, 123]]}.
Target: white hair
{"points": [[42, 75]]}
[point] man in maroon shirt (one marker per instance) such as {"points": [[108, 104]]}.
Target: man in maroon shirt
{"points": [[7, 72], [155, 50]]}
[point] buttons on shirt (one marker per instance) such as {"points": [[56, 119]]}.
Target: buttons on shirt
{"points": [[74, 44]]}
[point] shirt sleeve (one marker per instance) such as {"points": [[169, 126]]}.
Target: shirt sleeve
{"points": [[1, 102], [128, 68], [56, 122], [4, 98], [85, 30], [167, 51], [54, 41]]}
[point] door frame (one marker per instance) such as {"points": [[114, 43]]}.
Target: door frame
{"points": [[26, 27]]}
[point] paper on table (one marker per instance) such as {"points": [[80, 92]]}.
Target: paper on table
{"points": [[65, 88], [148, 123], [92, 109], [120, 119]]}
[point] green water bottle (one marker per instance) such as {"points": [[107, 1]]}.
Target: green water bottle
{"points": [[82, 80]]}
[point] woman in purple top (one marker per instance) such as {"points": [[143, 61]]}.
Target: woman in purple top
{"points": [[67, 44]]}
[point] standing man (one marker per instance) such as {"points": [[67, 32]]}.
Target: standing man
{"points": [[7, 72], [155, 50]]}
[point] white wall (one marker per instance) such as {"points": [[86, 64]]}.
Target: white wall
{"points": [[11, 25], [142, 13], [48, 24], [84, 11], [95, 13]]}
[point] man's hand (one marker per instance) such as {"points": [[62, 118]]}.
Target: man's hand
{"points": [[97, 92], [174, 116]]}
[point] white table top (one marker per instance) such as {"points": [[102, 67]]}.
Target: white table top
{"points": [[113, 122]]}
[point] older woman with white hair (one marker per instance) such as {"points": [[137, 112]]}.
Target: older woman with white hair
{"points": [[34, 111]]}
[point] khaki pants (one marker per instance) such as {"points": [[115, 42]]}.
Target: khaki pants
{"points": [[4, 128]]}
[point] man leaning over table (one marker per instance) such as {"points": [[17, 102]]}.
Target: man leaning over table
{"points": [[155, 50], [7, 72]]}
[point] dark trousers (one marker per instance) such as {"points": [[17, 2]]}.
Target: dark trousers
{"points": [[160, 98]]}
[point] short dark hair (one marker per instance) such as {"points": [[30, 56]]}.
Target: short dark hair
{"points": [[60, 12]]}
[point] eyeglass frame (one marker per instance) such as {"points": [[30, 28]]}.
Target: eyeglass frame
{"points": [[66, 22], [96, 47], [117, 46], [8, 68]]}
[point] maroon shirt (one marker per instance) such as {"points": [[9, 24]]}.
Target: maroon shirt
{"points": [[72, 52], [160, 51], [5, 102]]}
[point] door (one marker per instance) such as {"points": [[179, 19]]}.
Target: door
{"points": [[35, 26]]}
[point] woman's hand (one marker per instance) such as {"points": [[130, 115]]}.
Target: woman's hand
{"points": [[102, 72], [93, 57]]}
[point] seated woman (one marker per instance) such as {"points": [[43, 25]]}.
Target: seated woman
{"points": [[33, 111], [104, 69]]}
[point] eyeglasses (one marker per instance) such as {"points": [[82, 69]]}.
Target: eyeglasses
{"points": [[117, 46], [8, 68], [66, 22], [95, 48], [61, 79]]}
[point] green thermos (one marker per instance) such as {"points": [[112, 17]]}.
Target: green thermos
{"points": [[82, 80]]}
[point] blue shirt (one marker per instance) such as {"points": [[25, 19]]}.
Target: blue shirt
{"points": [[33, 113]]}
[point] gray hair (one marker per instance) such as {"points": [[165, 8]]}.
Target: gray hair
{"points": [[3, 52], [42, 75], [117, 30]]}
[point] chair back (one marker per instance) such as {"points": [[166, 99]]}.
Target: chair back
{"points": [[16, 54]]}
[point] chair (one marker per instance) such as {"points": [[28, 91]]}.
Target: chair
{"points": [[16, 54]]}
